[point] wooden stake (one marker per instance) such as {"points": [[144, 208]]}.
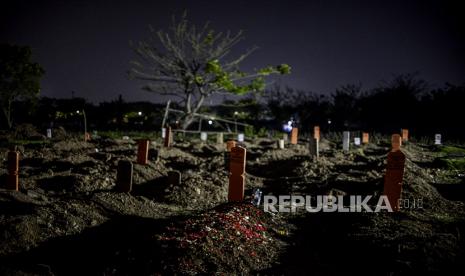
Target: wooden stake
{"points": [[236, 176]]}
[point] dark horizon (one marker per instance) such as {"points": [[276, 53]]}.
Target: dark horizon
{"points": [[84, 46]]}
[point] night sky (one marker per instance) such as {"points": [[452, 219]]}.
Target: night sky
{"points": [[84, 46]]}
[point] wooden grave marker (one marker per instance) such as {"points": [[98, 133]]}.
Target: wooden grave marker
{"points": [[294, 135], [365, 138], [124, 176], [396, 142], [13, 170], [229, 145], [168, 140], [394, 177], [143, 151], [405, 135], [314, 147], [174, 178], [316, 133], [236, 174]]}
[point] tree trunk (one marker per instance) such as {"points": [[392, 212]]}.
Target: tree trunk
{"points": [[188, 120], [190, 117]]}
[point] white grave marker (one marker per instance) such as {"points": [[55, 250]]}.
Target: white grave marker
{"points": [[281, 144], [240, 137], [437, 139], [203, 136], [163, 133], [49, 133], [357, 141]]}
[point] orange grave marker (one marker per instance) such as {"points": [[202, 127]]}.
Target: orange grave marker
{"points": [[168, 137], [143, 151], [394, 177], [230, 144], [124, 176], [365, 138], [396, 142], [236, 174], [87, 136], [13, 170], [316, 132], [294, 135], [405, 135]]}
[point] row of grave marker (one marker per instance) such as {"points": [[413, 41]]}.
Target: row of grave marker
{"points": [[168, 136], [236, 157]]}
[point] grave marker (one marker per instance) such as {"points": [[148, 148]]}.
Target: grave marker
{"points": [[203, 136], [394, 177], [124, 176], [285, 137], [405, 135], [230, 144], [143, 151], [314, 147], [281, 144], [316, 132], [346, 141], [365, 138], [219, 138], [437, 139], [174, 178], [163, 133], [49, 133], [13, 170], [357, 141], [153, 155], [236, 174], [240, 137], [396, 142], [294, 135], [87, 136], [168, 137]]}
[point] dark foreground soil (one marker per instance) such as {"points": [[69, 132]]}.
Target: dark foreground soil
{"points": [[68, 220]]}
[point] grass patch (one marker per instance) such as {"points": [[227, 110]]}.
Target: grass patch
{"points": [[450, 163], [450, 150]]}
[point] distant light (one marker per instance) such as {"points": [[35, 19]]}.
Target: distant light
{"points": [[329, 122], [289, 123], [210, 122], [140, 113], [235, 112], [77, 111], [287, 128]]}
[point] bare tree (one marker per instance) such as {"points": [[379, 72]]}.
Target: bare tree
{"points": [[191, 64]]}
